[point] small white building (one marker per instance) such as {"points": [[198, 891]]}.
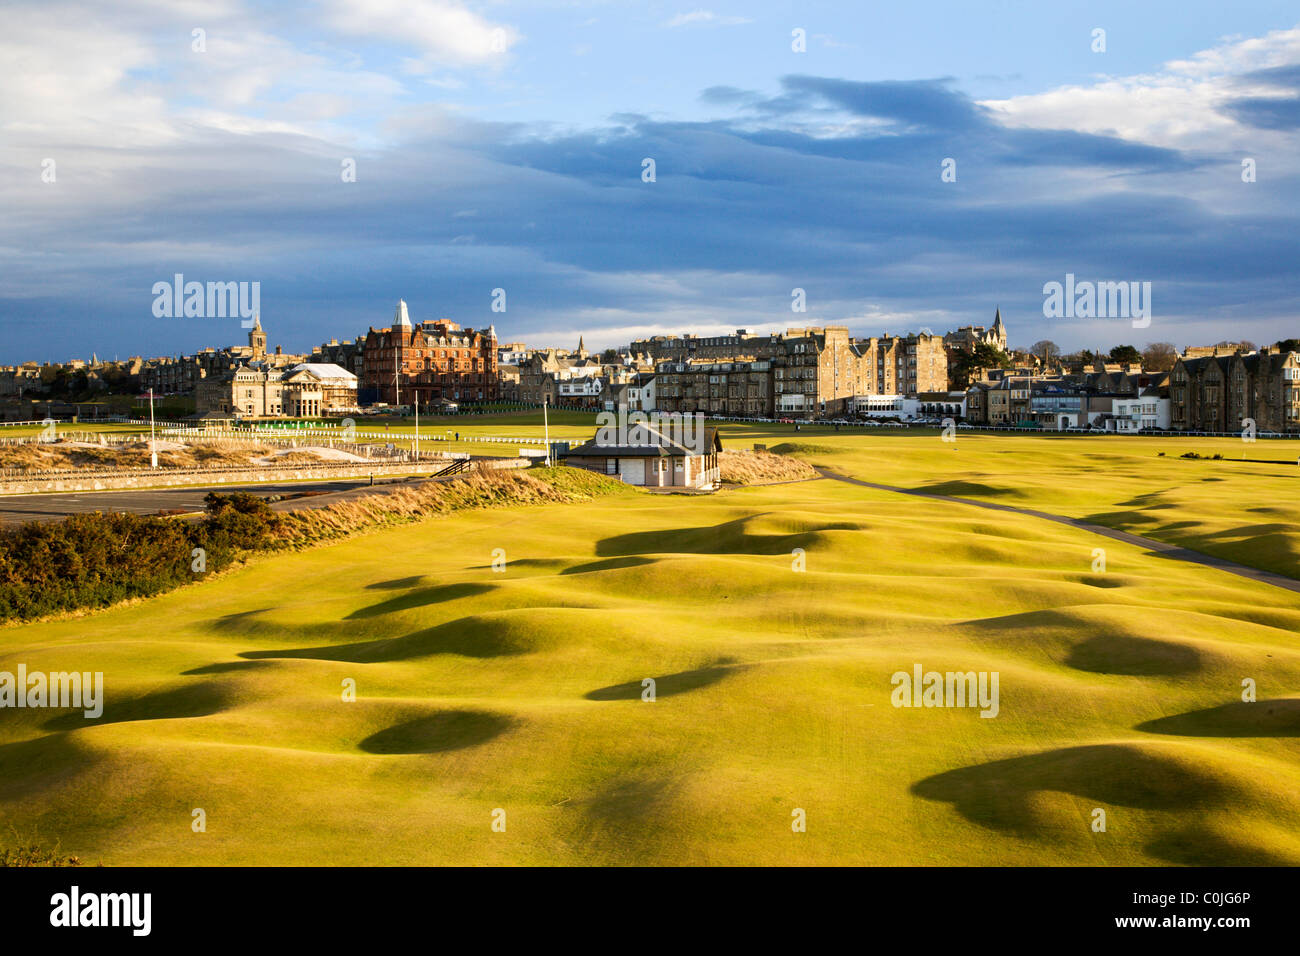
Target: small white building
{"points": [[652, 459], [579, 390], [884, 406], [1148, 410]]}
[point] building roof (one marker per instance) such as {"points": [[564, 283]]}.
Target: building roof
{"points": [[654, 445], [324, 370]]}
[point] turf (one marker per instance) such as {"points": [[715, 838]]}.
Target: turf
{"points": [[522, 689]]}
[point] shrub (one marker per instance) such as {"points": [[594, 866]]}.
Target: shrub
{"points": [[94, 560]]}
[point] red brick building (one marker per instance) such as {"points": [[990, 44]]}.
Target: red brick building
{"points": [[436, 360]]}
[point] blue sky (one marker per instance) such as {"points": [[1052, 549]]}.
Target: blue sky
{"points": [[500, 145]]}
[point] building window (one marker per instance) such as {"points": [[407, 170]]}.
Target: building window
{"points": [[611, 466]]}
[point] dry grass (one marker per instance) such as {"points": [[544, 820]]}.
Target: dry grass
{"points": [[133, 454], [477, 488], [761, 468]]}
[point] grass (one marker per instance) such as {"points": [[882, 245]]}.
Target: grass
{"points": [[760, 468], [1248, 512], [520, 687], [135, 454]]}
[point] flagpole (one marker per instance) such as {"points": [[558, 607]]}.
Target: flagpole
{"points": [[153, 449]]}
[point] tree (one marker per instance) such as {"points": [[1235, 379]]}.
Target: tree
{"points": [[965, 364], [1288, 345], [1045, 349], [1159, 356], [1125, 353], [1245, 345]]}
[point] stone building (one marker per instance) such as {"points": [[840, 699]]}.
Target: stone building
{"points": [[968, 336], [181, 375], [259, 390], [740, 389], [718, 348], [437, 360], [348, 354], [903, 365], [1217, 392], [552, 376]]}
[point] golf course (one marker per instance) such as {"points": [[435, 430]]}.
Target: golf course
{"points": [[472, 689]]}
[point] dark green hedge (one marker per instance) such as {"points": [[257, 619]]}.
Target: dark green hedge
{"points": [[95, 560]]}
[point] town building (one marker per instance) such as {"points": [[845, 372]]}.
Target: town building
{"points": [[260, 390], [181, 375], [1148, 411], [437, 361], [737, 389], [649, 458], [1218, 392], [967, 337], [512, 353]]}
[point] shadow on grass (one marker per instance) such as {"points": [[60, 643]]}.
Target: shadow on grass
{"points": [[1101, 581], [396, 584], [611, 564], [997, 794], [668, 684], [225, 667], [449, 730], [1135, 656], [41, 766], [422, 598], [968, 489], [1261, 718], [200, 700], [1197, 847], [466, 636], [730, 537]]}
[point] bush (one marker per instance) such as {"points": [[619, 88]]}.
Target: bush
{"points": [[94, 560], [30, 852]]}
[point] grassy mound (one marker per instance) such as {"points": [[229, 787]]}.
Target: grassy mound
{"points": [[504, 658], [96, 560], [761, 467], [801, 448]]}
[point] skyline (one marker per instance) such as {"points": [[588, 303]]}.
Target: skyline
{"points": [[513, 160]]}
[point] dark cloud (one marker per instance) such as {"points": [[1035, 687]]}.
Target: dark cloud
{"points": [[1266, 112], [743, 210]]}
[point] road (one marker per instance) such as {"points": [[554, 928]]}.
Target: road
{"points": [[18, 509], [1159, 547]]}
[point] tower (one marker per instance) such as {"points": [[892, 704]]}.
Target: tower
{"points": [[257, 339], [999, 331]]}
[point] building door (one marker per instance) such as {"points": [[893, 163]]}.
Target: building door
{"points": [[632, 470]]}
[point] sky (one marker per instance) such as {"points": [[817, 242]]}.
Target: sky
{"points": [[503, 146]]}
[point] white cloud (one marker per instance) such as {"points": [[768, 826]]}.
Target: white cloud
{"points": [[702, 17], [445, 33], [1177, 107]]}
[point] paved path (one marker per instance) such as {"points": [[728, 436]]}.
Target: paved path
{"points": [[1159, 547], [18, 509]]}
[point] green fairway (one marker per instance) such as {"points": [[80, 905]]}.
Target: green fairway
{"points": [[521, 689]]}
